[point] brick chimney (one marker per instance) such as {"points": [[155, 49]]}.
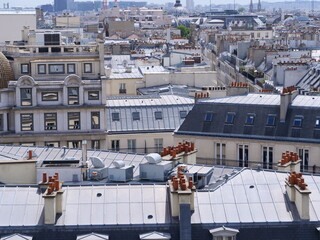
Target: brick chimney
{"points": [[290, 162], [182, 202], [299, 194], [185, 152], [52, 199]]}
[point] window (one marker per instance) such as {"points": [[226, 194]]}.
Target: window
{"points": [[220, 153], [52, 144], [249, 119], [71, 68], [26, 96], [208, 116], [50, 121], [93, 95], [230, 118], [132, 145], [25, 68], [158, 115], [267, 157], [28, 144], [95, 120], [73, 120], [56, 68], [88, 68], [135, 116], [115, 145], [95, 144], [122, 88], [42, 69], [74, 144], [1, 122], [73, 95], [183, 114], [26, 121], [297, 122], [304, 156], [243, 154], [271, 120], [158, 144], [115, 116], [49, 96], [317, 125]]}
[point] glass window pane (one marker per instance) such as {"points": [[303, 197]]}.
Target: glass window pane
{"points": [[93, 95], [271, 120], [56, 68], [208, 116], [88, 67], [50, 121], [250, 119], [115, 116], [135, 116], [71, 68], [230, 118], [42, 69], [49, 96], [26, 122], [95, 120], [73, 120], [73, 95], [26, 96], [183, 114], [158, 115]]}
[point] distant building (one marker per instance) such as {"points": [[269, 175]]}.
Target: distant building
{"points": [[47, 8], [190, 5], [60, 5], [127, 4]]}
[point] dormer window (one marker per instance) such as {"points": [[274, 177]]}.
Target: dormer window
{"points": [[115, 116], [183, 114], [135, 116], [250, 119], [317, 123], [158, 115], [271, 120], [208, 117], [73, 95], [230, 118], [297, 122]]}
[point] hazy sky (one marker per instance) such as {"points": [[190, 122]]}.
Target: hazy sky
{"points": [[34, 3]]}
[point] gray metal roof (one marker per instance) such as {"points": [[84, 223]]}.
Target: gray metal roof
{"points": [[93, 236], [152, 69], [237, 202], [306, 101], [169, 105]]}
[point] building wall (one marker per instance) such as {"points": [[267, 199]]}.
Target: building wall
{"points": [[68, 21], [144, 141], [113, 86], [18, 172], [207, 149], [12, 32]]}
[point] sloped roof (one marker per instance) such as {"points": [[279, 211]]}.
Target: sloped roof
{"points": [[16, 236], [6, 72], [93, 236], [155, 236]]}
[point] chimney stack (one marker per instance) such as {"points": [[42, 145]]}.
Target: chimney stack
{"points": [[290, 162], [286, 98], [299, 194], [52, 198]]}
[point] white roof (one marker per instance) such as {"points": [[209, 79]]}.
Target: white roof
{"points": [[251, 98], [306, 101], [155, 236], [16, 236]]}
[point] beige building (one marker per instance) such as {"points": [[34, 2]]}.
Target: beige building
{"points": [[255, 129], [12, 22]]}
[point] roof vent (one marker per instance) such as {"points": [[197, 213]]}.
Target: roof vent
{"points": [[153, 158], [119, 164], [97, 162], [69, 158]]}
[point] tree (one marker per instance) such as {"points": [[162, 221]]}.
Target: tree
{"points": [[241, 10], [185, 31]]}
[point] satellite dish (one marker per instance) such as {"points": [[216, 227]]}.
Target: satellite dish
{"points": [[153, 158], [97, 162], [119, 164]]}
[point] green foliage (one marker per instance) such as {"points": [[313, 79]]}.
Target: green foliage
{"points": [[185, 31], [242, 9]]}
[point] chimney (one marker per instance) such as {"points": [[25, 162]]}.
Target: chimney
{"points": [[182, 202], [52, 199], [290, 162], [286, 98], [83, 163], [299, 194]]}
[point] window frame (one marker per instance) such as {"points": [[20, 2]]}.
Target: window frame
{"points": [[70, 96], [158, 115], [95, 126], [53, 127], [250, 119], [115, 145], [52, 143], [58, 64], [113, 118], [317, 124], [1, 122], [74, 143], [231, 114], [54, 100], [74, 126], [135, 117], [31, 128], [68, 68], [25, 99], [22, 66], [208, 117], [296, 120], [95, 144], [132, 145], [158, 144], [183, 114], [45, 68], [94, 98], [85, 67], [273, 123]]}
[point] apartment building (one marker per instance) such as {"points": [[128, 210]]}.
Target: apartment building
{"points": [[55, 97], [253, 130]]}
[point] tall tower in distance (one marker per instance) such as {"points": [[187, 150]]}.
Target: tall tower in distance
{"points": [[178, 4], [251, 6], [259, 6], [105, 4], [190, 5]]}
